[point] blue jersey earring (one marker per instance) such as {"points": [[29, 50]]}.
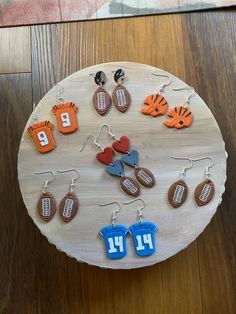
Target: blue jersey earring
{"points": [[114, 236], [143, 233]]}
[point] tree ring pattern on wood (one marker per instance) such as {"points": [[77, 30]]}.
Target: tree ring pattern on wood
{"points": [[101, 101], [69, 207], [121, 98], [177, 193], [130, 186], [204, 192], [46, 206]]}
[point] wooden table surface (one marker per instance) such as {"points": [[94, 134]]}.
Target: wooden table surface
{"points": [[36, 278]]}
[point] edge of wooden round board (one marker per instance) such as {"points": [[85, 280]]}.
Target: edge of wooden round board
{"points": [[177, 228]]}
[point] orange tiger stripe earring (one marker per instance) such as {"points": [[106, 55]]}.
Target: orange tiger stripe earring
{"points": [[65, 113], [156, 104], [181, 115]]}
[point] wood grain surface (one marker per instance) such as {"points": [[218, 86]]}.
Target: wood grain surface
{"points": [[36, 278], [155, 144]]}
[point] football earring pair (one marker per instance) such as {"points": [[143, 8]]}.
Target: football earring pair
{"points": [[41, 131], [204, 191], [142, 233], [120, 95], [69, 205], [156, 104], [115, 167]]}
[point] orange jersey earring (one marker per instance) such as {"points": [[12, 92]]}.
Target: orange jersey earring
{"points": [[65, 113], [181, 115], [156, 104], [41, 133]]}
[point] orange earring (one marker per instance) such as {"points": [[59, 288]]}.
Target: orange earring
{"points": [[181, 115], [156, 104], [65, 113], [41, 133]]}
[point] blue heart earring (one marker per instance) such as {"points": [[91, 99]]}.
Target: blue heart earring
{"points": [[114, 236], [130, 158], [114, 167], [143, 233]]}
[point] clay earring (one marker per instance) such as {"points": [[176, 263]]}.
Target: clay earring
{"points": [[114, 236], [114, 167], [41, 133], [205, 190], [120, 95], [156, 104], [101, 98], [181, 115], [130, 158], [46, 204], [143, 233], [69, 204], [65, 113], [178, 191]]}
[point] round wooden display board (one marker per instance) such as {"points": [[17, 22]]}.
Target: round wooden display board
{"points": [[156, 144]]}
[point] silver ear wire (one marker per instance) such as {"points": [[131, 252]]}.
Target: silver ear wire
{"points": [[73, 179], [190, 96], [164, 84], [208, 167], [185, 168], [140, 210], [109, 132], [35, 116], [114, 214], [59, 93], [44, 189], [95, 142]]}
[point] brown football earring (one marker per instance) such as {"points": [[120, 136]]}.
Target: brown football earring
{"points": [[178, 191], [69, 204], [205, 190], [101, 98], [46, 204], [120, 95]]}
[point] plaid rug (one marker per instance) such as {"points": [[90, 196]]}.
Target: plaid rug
{"points": [[22, 12]]}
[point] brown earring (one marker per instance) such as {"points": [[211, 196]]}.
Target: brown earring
{"points": [[120, 95], [178, 191], [101, 98], [205, 190]]}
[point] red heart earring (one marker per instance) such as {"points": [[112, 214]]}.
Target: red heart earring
{"points": [[130, 158]]}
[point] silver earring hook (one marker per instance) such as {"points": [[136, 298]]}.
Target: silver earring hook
{"points": [[35, 116], [164, 84], [109, 132], [95, 142], [185, 168], [114, 214], [190, 96], [207, 172], [73, 179], [59, 93], [44, 189], [140, 210]]}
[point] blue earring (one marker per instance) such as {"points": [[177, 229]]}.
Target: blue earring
{"points": [[143, 233], [114, 167], [114, 236]]}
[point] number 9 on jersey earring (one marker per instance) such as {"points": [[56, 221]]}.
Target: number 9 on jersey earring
{"points": [[65, 113], [114, 236], [143, 233]]}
